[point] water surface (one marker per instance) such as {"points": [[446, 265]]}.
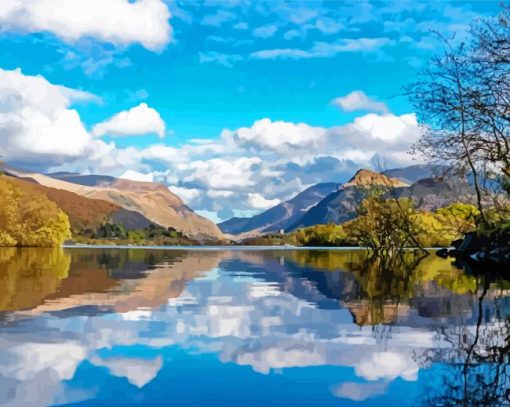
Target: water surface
{"points": [[178, 327]]}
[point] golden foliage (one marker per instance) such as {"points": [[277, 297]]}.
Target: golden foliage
{"points": [[321, 235], [28, 275], [28, 218], [385, 225]]}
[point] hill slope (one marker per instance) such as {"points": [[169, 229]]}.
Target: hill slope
{"points": [[279, 216], [154, 201], [341, 205], [85, 213], [427, 194]]}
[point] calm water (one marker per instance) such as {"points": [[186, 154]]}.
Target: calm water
{"points": [[247, 327]]}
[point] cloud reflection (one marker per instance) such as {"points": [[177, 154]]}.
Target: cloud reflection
{"points": [[248, 308]]}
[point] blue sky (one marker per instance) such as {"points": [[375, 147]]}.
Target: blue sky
{"points": [[198, 68]]}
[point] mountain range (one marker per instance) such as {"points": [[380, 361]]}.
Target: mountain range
{"points": [[338, 203], [91, 200]]}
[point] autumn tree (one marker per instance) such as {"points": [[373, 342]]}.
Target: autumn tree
{"points": [[386, 226], [28, 219]]}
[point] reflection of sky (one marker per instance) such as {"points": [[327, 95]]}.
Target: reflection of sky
{"points": [[233, 335]]}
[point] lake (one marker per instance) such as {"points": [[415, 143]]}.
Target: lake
{"points": [[229, 327]]}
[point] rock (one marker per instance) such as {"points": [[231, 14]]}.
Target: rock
{"points": [[443, 253], [457, 243], [473, 243]]}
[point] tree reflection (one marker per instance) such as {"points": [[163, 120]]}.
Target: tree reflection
{"points": [[384, 288], [476, 356], [27, 276]]}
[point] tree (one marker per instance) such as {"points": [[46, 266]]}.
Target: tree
{"points": [[490, 57], [386, 226], [28, 219], [443, 98], [464, 97]]}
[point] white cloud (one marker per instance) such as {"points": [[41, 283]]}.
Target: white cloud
{"points": [[359, 391], [387, 128], [256, 167], [389, 366], [137, 176], [324, 49], [266, 31], [137, 371], [37, 123], [277, 136], [186, 194], [257, 201], [138, 120], [120, 22], [253, 168], [358, 100]]}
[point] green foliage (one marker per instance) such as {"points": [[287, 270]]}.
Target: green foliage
{"points": [[447, 224], [385, 226], [28, 219], [394, 224], [108, 233], [322, 235]]}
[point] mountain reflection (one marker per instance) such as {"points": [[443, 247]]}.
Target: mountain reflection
{"points": [[76, 319]]}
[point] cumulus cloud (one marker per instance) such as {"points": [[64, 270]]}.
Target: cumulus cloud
{"points": [[138, 120], [256, 167], [37, 122], [358, 100], [137, 371], [137, 176], [388, 366], [245, 169], [120, 22], [257, 201]]}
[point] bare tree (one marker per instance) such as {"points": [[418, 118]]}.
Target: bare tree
{"points": [[442, 98]]}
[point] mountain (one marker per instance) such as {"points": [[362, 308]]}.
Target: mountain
{"points": [[153, 201], [433, 193], [341, 205], [280, 216], [416, 172], [85, 213], [87, 180], [427, 193], [325, 203]]}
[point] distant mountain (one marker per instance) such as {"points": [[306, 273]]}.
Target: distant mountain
{"points": [[416, 172], [325, 203], [153, 201], [341, 205], [433, 193], [85, 213], [281, 215], [87, 180], [427, 193]]}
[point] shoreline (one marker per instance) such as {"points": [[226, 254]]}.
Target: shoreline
{"points": [[220, 248]]}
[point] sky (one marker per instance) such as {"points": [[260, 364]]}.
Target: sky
{"points": [[235, 105]]}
